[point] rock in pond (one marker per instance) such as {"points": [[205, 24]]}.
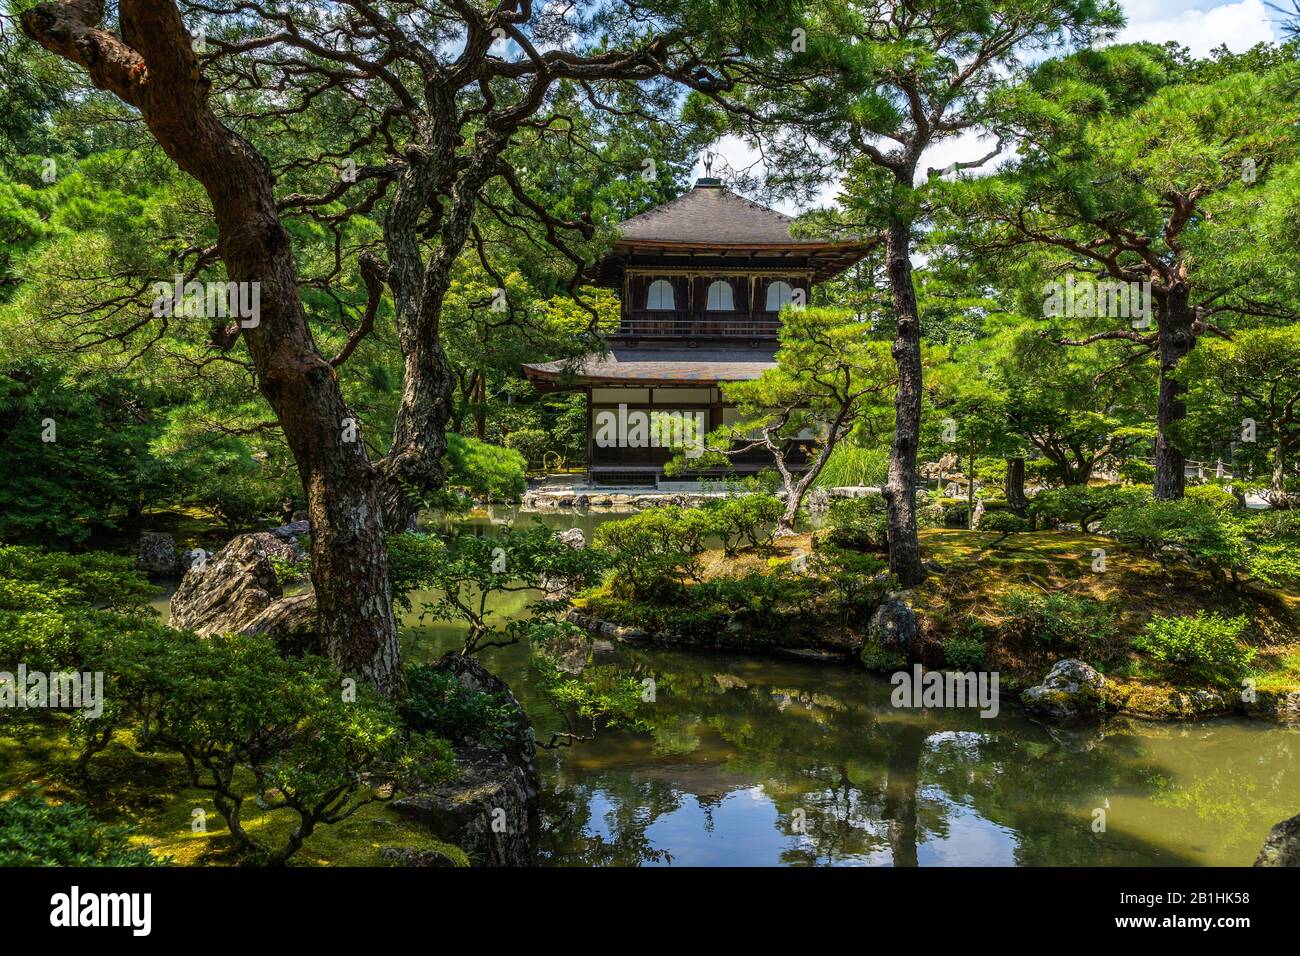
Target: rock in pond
{"points": [[573, 537], [894, 626], [1070, 691], [488, 811], [156, 554], [1282, 848]]}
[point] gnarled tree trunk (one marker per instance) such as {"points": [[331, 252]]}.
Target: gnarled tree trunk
{"points": [[152, 67]]}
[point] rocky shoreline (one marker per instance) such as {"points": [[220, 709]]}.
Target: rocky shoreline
{"points": [[582, 499], [1071, 692]]}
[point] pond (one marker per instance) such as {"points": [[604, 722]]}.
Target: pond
{"points": [[768, 761]]}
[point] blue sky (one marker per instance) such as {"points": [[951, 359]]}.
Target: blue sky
{"points": [[1200, 25]]}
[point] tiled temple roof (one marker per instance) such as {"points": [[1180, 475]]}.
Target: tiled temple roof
{"points": [[651, 367]]}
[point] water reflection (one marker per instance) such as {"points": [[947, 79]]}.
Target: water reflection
{"points": [[755, 761]]}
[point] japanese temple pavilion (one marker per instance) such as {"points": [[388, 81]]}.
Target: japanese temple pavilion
{"points": [[702, 281]]}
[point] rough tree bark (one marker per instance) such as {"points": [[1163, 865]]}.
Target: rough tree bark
{"points": [[152, 67], [1015, 486], [1177, 337], [414, 463], [900, 488]]}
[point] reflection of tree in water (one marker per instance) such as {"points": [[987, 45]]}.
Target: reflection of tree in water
{"points": [[573, 837], [873, 783], [1228, 795]]}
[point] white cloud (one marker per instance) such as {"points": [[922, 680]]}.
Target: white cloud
{"points": [[1197, 24], [1200, 26]]}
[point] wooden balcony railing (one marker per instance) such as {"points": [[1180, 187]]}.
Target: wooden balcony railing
{"points": [[679, 323]]}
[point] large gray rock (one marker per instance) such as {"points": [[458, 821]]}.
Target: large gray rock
{"points": [[225, 592], [561, 587], [894, 627], [294, 529], [291, 622], [156, 553], [1070, 691], [488, 809], [573, 537], [1282, 848], [294, 534]]}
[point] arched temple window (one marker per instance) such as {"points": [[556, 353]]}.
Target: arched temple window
{"points": [[660, 295], [779, 295], [719, 298]]}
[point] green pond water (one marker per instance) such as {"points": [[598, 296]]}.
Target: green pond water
{"points": [[769, 761]]}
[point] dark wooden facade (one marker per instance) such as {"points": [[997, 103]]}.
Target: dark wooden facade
{"points": [[702, 282]]}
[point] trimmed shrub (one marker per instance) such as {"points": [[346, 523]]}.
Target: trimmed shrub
{"points": [[1063, 619], [485, 470], [1205, 648], [438, 703], [653, 551], [1081, 505], [858, 524], [93, 579], [1184, 531], [531, 443], [1214, 495], [1002, 523], [1274, 552], [37, 832], [737, 519]]}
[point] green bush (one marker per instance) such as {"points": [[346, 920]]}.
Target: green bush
{"points": [[737, 519], [37, 832], [1081, 504], [1043, 472], [438, 703], [465, 570], [1002, 523], [1205, 648], [532, 443], [856, 583], [965, 653], [1065, 619], [761, 607], [655, 550], [858, 524], [1137, 472], [91, 579], [249, 722], [1194, 533], [1274, 557], [485, 470], [763, 603], [1216, 496]]}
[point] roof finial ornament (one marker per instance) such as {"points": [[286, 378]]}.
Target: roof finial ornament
{"points": [[708, 164]]}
